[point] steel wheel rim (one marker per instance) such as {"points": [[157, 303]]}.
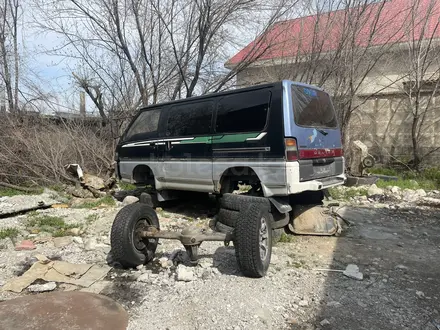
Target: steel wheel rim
{"points": [[263, 242], [138, 241]]}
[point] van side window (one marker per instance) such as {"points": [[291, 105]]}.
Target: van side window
{"points": [[190, 119], [243, 112], [145, 126]]}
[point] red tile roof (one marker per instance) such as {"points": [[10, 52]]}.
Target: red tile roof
{"points": [[383, 22]]}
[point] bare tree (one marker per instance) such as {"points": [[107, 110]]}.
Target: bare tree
{"points": [[421, 73], [139, 52], [338, 50], [9, 56]]}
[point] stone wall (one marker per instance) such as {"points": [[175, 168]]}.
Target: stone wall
{"points": [[384, 124]]}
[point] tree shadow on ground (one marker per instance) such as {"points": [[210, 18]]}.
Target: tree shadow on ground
{"points": [[398, 253]]}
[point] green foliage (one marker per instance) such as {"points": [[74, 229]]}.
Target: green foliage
{"points": [[343, 194], [9, 232], [9, 192], [408, 184], [285, 238], [104, 201], [383, 171], [427, 179], [126, 186], [54, 225]]}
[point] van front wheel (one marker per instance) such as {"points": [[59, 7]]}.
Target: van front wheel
{"points": [[253, 240]]}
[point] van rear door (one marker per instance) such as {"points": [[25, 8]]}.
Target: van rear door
{"points": [[318, 138]]}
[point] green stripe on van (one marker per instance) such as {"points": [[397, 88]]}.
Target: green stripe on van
{"points": [[224, 138]]}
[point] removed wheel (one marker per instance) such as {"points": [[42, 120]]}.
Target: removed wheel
{"points": [[240, 202], [253, 240], [128, 248]]}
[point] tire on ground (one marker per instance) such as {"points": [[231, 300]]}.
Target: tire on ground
{"points": [[228, 217], [247, 240], [238, 202], [223, 228], [126, 249]]}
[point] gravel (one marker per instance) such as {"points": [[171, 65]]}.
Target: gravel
{"points": [[400, 287]]}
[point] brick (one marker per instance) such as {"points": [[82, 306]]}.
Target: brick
{"points": [[25, 245]]}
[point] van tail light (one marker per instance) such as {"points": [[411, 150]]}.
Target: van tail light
{"points": [[291, 149]]}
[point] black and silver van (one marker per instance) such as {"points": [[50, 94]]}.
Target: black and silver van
{"points": [[280, 138]]}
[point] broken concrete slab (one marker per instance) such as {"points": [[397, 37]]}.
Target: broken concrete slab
{"points": [[63, 310], [83, 275]]}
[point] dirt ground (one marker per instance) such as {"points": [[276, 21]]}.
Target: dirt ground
{"points": [[396, 250]]}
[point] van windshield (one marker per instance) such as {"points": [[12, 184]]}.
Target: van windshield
{"points": [[312, 108]]}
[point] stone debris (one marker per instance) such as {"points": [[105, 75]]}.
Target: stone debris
{"points": [[60, 242], [6, 244], [324, 322], [130, 200], [401, 267], [78, 240], [374, 190], [25, 245], [185, 274], [50, 286], [90, 244], [352, 271]]}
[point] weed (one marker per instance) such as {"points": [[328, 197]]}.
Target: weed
{"points": [[46, 220], [54, 225], [408, 184], [427, 179], [285, 238], [383, 171], [340, 194], [126, 186], [91, 218], [32, 214], [9, 192], [104, 201], [9, 232]]}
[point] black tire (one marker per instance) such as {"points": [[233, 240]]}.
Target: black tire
{"points": [[127, 250], [228, 217], [238, 202], [248, 233], [223, 228]]}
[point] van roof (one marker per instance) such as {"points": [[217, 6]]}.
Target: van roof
{"points": [[232, 91]]}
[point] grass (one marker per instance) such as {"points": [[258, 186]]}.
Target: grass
{"points": [[91, 218], [408, 184], [54, 225], [285, 238], [126, 186], [428, 179], [348, 193], [9, 232], [104, 201], [9, 192]]}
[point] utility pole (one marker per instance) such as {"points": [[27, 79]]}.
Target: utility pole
{"points": [[82, 103]]}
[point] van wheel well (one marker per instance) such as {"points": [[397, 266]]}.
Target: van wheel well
{"points": [[143, 175], [240, 175]]}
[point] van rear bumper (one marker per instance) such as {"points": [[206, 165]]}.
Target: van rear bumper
{"points": [[294, 185]]}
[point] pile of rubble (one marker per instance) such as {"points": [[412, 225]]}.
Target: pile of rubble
{"points": [[390, 197]]}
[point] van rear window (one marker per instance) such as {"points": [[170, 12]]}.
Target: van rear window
{"points": [[312, 108]]}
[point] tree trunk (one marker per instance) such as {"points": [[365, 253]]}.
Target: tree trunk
{"points": [[415, 144]]}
